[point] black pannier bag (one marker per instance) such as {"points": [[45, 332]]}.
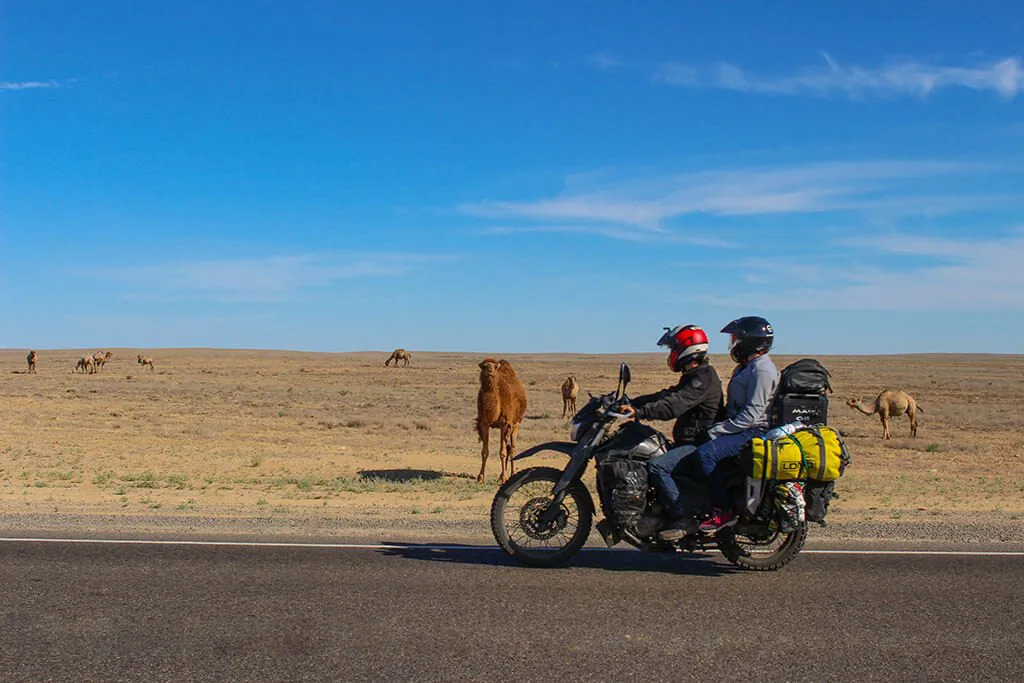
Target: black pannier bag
{"points": [[623, 490], [622, 471], [802, 394], [818, 494]]}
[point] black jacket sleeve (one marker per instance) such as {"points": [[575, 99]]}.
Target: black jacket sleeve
{"points": [[672, 402]]}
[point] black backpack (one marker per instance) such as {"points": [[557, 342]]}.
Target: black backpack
{"points": [[805, 376], [802, 394]]}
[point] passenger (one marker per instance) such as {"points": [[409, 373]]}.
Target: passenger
{"points": [[751, 389]]}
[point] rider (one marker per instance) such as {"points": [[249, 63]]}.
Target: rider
{"points": [[695, 402], [751, 389]]}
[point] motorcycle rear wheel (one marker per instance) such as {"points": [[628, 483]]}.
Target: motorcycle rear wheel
{"points": [[517, 528], [763, 555]]}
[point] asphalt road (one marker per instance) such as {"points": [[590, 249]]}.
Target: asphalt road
{"points": [[126, 612]]}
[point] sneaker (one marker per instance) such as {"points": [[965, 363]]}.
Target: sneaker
{"points": [[677, 529], [717, 521]]}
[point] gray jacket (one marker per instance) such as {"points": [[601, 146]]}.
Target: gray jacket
{"points": [[751, 390]]}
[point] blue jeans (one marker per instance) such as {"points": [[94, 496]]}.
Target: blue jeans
{"points": [[660, 470], [713, 452]]}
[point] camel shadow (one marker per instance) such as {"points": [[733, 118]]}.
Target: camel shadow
{"points": [[405, 475], [614, 560]]}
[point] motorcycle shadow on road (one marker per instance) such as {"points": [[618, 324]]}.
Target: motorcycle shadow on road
{"points": [[624, 560]]}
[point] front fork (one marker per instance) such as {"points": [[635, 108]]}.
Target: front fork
{"points": [[572, 472]]}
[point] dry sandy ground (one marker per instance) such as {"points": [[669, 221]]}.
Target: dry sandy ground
{"points": [[265, 434]]}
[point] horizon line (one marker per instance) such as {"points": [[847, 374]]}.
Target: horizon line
{"points": [[484, 353]]}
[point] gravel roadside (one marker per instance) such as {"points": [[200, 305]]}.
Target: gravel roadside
{"points": [[947, 531]]}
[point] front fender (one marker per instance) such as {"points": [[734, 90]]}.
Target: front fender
{"points": [[564, 447]]}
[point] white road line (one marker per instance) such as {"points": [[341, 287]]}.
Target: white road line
{"points": [[966, 553], [414, 546]]}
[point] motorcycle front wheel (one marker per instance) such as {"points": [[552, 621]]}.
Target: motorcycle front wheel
{"points": [[762, 553], [518, 527]]}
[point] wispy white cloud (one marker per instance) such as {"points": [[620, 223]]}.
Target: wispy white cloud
{"points": [[641, 207], [906, 77], [604, 61], [614, 232], [262, 279], [28, 85], [969, 274]]}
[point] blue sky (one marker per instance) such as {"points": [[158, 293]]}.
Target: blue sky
{"points": [[518, 177]]}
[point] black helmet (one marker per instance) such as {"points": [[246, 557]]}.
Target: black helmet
{"points": [[751, 335]]}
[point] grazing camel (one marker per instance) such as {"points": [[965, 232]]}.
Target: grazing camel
{"points": [[146, 360], [100, 359], [889, 404], [399, 355], [569, 390], [500, 404], [86, 364], [31, 358]]}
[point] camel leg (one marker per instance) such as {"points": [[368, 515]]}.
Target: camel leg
{"points": [[913, 423], [512, 449], [886, 434], [484, 435], [503, 453], [565, 407]]}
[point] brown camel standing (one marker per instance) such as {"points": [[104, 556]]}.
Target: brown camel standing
{"points": [[891, 403], [569, 390], [500, 404], [146, 360], [399, 355], [31, 358], [100, 359], [86, 364]]}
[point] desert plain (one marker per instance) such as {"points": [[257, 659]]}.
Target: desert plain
{"points": [[267, 437]]}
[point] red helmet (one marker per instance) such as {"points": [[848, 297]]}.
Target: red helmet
{"points": [[685, 342]]}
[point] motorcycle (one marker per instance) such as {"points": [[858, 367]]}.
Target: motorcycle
{"points": [[543, 516]]}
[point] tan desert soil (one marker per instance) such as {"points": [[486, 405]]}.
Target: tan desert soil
{"points": [[307, 443]]}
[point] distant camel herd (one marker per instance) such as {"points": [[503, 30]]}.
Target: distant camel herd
{"points": [[89, 364], [501, 401]]}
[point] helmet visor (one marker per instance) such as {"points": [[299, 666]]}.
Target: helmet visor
{"points": [[668, 339]]}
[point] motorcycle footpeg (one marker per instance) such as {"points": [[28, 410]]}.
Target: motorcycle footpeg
{"points": [[608, 533]]}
